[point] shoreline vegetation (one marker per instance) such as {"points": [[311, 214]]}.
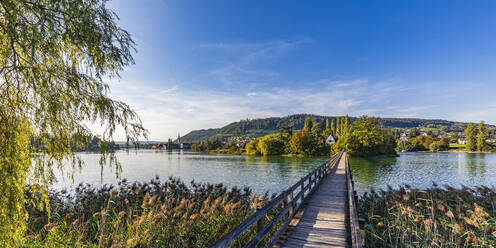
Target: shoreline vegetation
{"points": [[153, 214], [433, 217], [364, 137], [174, 214]]}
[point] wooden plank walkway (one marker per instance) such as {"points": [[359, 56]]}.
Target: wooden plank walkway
{"points": [[317, 211], [323, 220]]}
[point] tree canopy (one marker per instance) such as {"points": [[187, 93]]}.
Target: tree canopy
{"points": [[365, 138], [54, 58]]}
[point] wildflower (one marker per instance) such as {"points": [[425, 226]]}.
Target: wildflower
{"points": [[450, 214], [96, 215], [122, 213]]}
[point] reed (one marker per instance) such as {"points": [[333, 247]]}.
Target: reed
{"points": [[435, 217], [153, 214]]}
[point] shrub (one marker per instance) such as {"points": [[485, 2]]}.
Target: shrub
{"points": [[272, 144], [434, 147], [251, 147]]}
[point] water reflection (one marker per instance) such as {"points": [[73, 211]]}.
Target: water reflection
{"points": [[272, 173], [423, 169], [275, 173]]}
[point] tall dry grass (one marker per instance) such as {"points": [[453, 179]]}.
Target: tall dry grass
{"points": [[435, 217], [154, 214]]}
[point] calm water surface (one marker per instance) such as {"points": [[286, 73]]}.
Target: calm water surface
{"points": [[420, 170], [275, 174], [261, 174]]}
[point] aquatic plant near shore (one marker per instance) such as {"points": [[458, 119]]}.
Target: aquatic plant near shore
{"points": [[435, 217], [154, 214]]}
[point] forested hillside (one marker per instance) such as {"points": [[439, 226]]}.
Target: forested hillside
{"points": [[264, 126]]}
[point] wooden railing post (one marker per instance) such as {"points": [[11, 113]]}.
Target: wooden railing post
{"points": [[291, 202], [302, 190], [260, 225], [285, 204], [309, 183]]}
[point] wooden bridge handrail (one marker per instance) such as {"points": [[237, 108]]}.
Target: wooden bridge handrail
{"points": [[356, 236], [289, 209]]}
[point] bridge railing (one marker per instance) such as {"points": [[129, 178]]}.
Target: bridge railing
{"points": [[356, 236], [286, 205]]}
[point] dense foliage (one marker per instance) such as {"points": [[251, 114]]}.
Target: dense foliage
{"points": [[264, 126], [53, 60], [435, 217], [154, 214], [365, 138], [310, 141]]}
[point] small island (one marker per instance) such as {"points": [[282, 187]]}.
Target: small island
{"points": [[363, 136]]}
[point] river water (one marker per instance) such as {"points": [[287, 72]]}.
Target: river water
{"points": [[261, 174], [421, 170], [275, 174]]}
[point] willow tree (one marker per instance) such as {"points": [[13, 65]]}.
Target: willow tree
{"points": [[55, 57]]}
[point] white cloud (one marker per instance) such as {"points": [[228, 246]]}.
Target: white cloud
{"points": [[167, 111]]}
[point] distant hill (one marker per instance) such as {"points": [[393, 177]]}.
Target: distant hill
{"points": [[264, 126]]}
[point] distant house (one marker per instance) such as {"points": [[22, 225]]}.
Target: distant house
{"points": [[330, 140], [404, 137], [424, 134], [462, 141]]}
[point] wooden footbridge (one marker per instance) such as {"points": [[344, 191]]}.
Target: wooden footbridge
{"points": [[317, 211]]}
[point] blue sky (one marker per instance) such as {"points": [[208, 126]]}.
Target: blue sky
{"points": [[203, 64]]}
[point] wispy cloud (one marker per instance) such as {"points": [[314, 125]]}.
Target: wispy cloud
{"points": [[245, 63], [167, 111]]}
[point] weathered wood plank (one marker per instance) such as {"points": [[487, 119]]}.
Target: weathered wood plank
{"points": [[323, 222]]}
